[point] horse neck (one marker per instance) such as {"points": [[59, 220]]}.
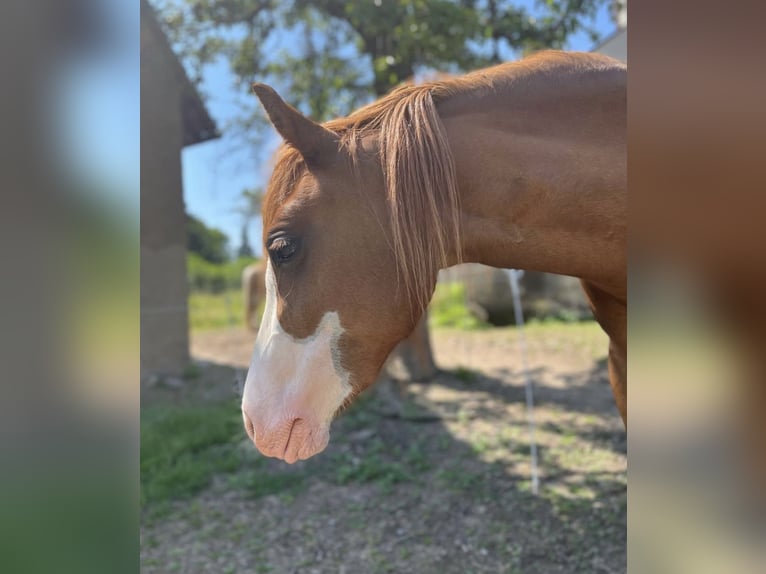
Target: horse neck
{"points": [[541, 174]]}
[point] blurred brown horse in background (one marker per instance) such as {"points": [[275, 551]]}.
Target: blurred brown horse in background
{"points": [[253, 291], [518, 166]]}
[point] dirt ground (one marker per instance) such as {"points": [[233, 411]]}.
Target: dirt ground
{"points": [[432, 478]]}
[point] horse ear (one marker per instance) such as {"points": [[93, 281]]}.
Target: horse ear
{"points": [[308, 137]]}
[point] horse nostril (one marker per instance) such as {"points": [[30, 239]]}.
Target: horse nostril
{"points": [[249, 426]]}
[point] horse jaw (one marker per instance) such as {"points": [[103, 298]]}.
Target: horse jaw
{"points": [[294, 386]]}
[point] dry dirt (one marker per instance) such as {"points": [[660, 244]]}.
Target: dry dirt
{"points": [[445, 490]]}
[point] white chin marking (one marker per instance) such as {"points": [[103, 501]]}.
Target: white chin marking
{"points": [[293, 378]]}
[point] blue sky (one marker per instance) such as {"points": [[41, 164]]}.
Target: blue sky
{"points": [[97, 107], [215, 172]]}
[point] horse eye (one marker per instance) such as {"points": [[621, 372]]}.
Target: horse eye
{"points": [[282, 250]]}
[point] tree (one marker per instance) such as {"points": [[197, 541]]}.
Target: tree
{"points": [[210, 244], [244, 249], [248, 209], [328, 56]]}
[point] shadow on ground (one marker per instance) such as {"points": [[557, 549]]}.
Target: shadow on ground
{"points": [[432, 480]]}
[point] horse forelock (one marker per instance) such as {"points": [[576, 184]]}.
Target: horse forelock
{"points": [[289, 167]]}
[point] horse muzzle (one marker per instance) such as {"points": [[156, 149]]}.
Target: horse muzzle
{"points": [[288, 436]]}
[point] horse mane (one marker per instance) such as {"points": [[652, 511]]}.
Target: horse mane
{"points": [[420, 181], [417, 162]]}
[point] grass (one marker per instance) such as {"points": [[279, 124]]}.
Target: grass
{"points": [[465, 374], [220, 310], [215, 310], [377, 466], [447, 310], [182, 448]]}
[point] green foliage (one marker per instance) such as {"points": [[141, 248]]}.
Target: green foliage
{"points": [[183, 447], [328, 56], [249, 208], [209, 277], [400, 38], [448, 308], [210, 244], [244, 249], [215, 298]]}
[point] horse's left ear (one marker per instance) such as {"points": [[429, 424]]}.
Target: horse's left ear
{"points": [[308, 137]]}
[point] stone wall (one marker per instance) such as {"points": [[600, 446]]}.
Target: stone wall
{"points": [[164, 319]]}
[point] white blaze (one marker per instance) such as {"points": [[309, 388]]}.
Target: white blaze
{"points": [[291, 377]]}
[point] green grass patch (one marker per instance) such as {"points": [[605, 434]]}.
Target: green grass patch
{"points": [[183, 447], [216, 310], [360, 414], [191, 371], [457, 479], [465, 374], [448, 309], [372, 468], [380, 465]]}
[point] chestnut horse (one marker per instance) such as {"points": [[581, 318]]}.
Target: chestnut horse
{"points": [[522, 165], [253, 291]]}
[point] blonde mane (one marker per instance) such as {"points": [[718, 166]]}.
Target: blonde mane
{"points": [[420, 181]]}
